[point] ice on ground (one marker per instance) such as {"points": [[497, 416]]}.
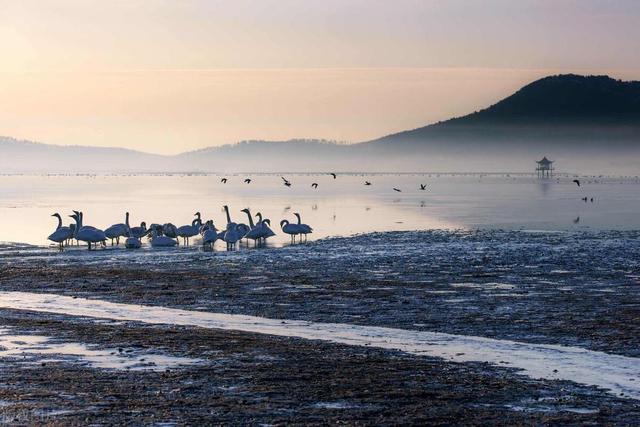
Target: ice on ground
{"points": [[618, 374]]}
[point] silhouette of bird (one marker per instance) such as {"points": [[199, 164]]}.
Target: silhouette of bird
{"points": [[423, 187], [333, 175], [577, 182], [397, 189], [314, 185], [584, 199], [577, 220], [247, 181], [223, 180], [367, 183], [592, 200], [287, 183]]}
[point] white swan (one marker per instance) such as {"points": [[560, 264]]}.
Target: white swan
{"points": [[290, 229], [170, 230], [265, 227], [87, 233], [131, 242], [255, 231], [231, 235], [304, 228], [61, 234], [118, 230], [159, 241], [209, 234], [139, 232], [187, 231]]}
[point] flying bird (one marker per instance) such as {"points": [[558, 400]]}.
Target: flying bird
{"points": [[367, 183], [397, 189], [314, 185], [577, 182], [333, 175], [247, 181], [423, 187], [223, 180], [577, 220]]}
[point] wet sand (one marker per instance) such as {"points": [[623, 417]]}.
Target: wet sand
{"points": [[539, 288]]}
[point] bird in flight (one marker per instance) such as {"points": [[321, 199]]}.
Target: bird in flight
{"points": [[577, 182], [314, 185], [286, 182], [248, 180], [333, 175], [397, 189], [577, 220], [423, 187], [223, 180], [367, 183]]}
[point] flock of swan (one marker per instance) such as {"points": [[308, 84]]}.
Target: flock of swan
{"points": [[168, 235]]}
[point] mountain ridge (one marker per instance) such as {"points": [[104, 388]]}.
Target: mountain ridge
{"points": [[566, 116]]}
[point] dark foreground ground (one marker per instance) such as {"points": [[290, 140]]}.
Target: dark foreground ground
{"points": [[572, 289]]}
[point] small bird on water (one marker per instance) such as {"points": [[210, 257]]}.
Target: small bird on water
{"points": [[397, 189], [423, 187], [314, 185], [223, 180], [577, 182], [286, 182], [333, 175], [247, 181], [367, 183]]}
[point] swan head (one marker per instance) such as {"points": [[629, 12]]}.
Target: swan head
{"points": [[245, 210], [143, 224], [268, 221], [197, 214], [57, 215], [283, 223]]}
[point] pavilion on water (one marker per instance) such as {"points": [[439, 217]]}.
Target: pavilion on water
{"points": [[544, 168]]}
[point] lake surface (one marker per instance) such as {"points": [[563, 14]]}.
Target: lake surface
{"points": [[338, 207]]}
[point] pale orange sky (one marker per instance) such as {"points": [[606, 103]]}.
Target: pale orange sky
{"points": [[167, 76]]}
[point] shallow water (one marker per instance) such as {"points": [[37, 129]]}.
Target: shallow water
{"points": [[339, 207], [32, 349], [618, 374]]}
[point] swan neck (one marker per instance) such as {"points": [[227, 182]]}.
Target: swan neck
{"points": [[251, 224]]}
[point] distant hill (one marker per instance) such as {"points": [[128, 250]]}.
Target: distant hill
{"points": [[569, 111], [27, 156], [585, 123]]}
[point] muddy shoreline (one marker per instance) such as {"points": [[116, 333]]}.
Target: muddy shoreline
{"points": [[539, 288], [251, 379]]}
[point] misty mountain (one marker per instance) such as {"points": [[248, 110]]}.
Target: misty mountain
{"points": [[585, 123], [564, 111], [27, 156]]}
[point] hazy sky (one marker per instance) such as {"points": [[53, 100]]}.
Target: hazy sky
{"points": [[168, 76]]}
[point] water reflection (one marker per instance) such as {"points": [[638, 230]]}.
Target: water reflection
{"points": [[341, 206]]}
